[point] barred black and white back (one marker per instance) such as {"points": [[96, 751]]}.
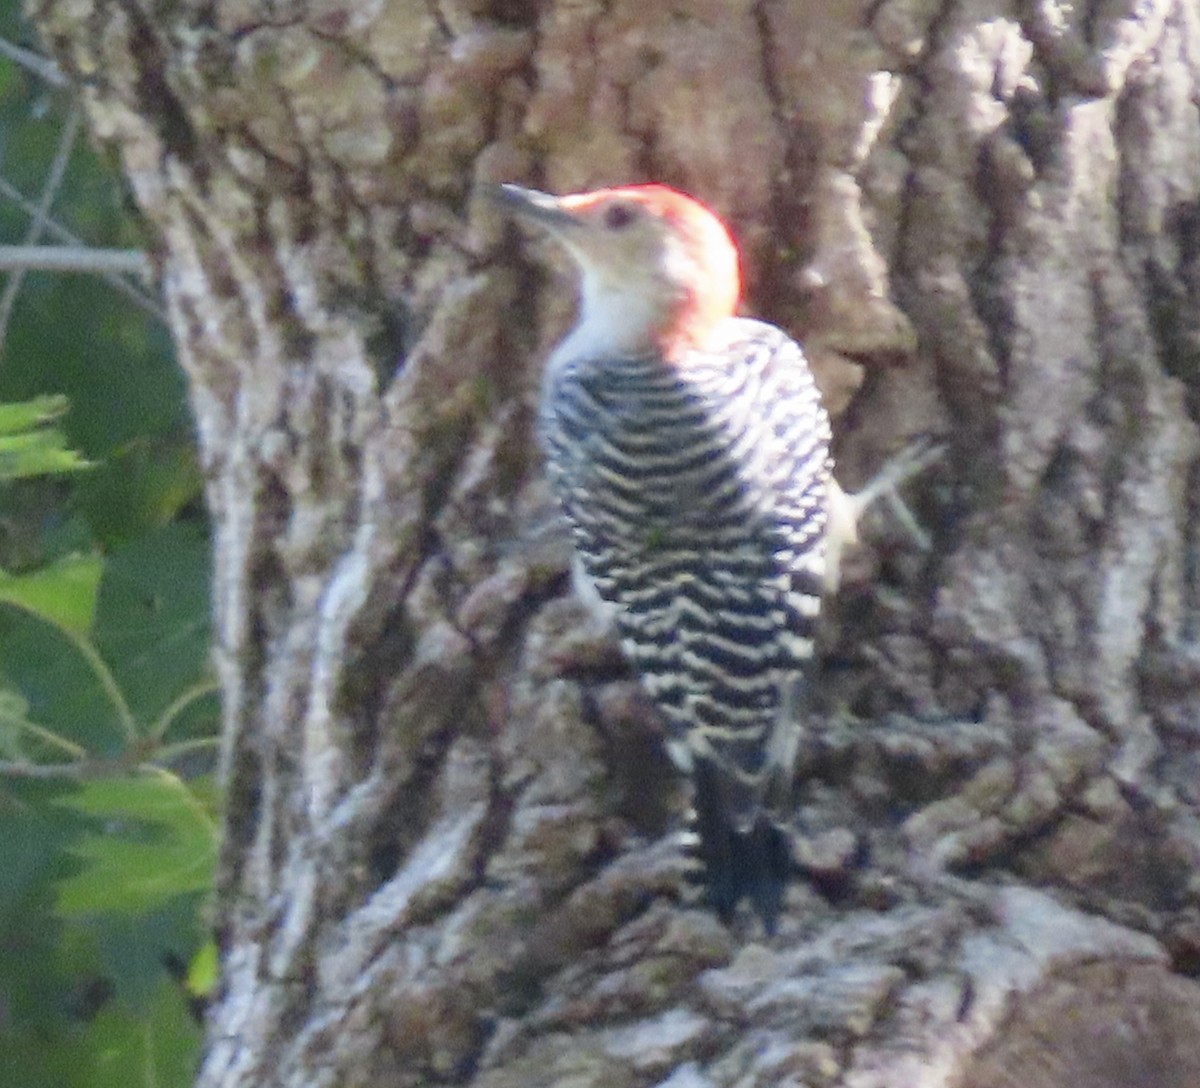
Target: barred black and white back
{"points": [[698, 489]]}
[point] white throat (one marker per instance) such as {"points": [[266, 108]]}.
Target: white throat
{"points": [[615, 319]]}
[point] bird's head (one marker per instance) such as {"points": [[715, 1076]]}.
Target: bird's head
{"points": [[657, 269]]}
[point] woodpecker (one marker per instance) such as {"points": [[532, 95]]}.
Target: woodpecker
{"points": [[690, 453]]}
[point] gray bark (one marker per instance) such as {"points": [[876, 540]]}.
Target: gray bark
{"points": [[446, 855]]}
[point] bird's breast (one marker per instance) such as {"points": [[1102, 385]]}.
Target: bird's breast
{"points": [[645, 451]]}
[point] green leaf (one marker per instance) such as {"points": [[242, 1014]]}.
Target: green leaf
{"points": [[36, 452], [29, 446], [24, 416], [113, 362], [152, 620], [64, 593], [151, 842], [136, 951], [25, 740], [85, 1001], [15, 725], [36, 976], [36, 1057], [56, 672], [156, 1050], [203, 971], [141, 486]]}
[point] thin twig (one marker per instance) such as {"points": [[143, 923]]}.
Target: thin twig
{"points": [[14, 768], [47, 736], [37, 223], [40, 66], [73, 259], [171, 752], [192, 695], [60, 234], [99, 667]]}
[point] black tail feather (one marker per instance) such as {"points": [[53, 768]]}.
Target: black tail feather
{"points": [[753, 864]]}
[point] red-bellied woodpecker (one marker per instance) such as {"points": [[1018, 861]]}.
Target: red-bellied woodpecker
{"points": [[690, 452]]}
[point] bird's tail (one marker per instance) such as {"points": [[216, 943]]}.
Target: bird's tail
{"points": [[752, 862]]}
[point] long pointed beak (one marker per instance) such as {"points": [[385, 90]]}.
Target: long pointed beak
{"points": [[531, 206]]}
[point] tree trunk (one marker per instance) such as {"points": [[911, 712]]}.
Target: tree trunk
{"points": [[446, 852]]}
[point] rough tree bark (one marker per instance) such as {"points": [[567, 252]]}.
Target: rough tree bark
{"points": [[444, 858]]}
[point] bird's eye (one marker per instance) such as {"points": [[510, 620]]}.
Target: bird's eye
{"points": [[619, 216]]}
